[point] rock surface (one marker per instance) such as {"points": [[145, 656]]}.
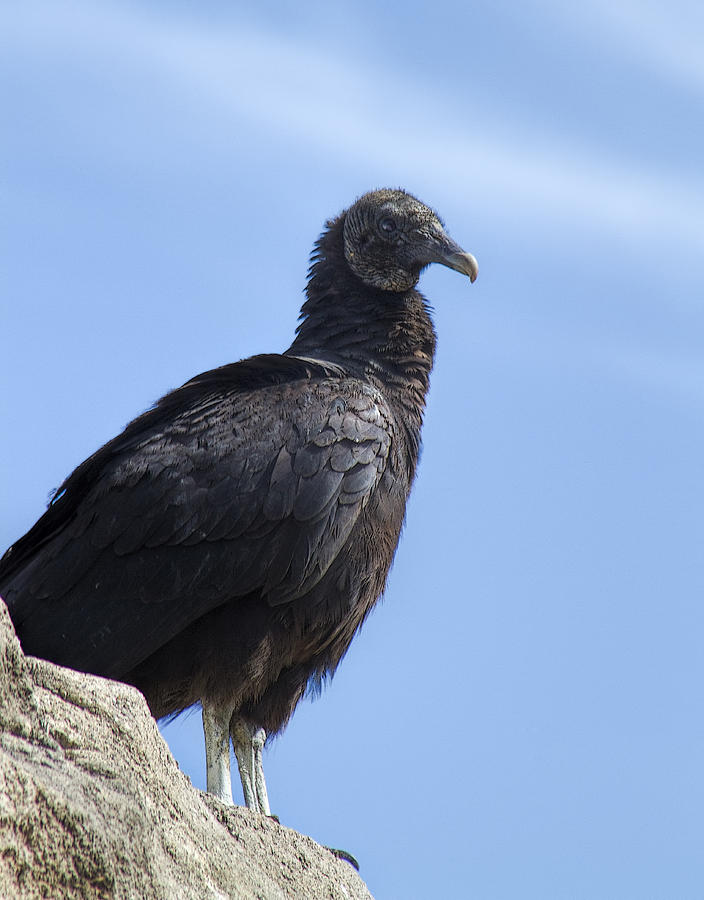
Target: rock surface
{"points": [[93, 805]]}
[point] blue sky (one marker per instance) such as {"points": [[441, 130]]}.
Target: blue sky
{"points": [[522, 715]]}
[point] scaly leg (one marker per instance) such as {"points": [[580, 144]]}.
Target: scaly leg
{"points": [[248, 743], [216, 725]]}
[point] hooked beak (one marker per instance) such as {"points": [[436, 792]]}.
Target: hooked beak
{"points": [[448, 253], [454, 257]]}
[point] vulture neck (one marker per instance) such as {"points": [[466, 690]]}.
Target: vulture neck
{"points": [[385, 337]]}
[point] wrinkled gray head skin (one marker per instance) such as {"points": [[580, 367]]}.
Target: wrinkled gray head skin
{"points": [[390, 236]]}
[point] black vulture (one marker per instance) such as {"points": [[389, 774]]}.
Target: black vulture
{"points": [[225, 548]]}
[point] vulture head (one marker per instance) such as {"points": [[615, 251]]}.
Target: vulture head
{"points": [[389, 238]]}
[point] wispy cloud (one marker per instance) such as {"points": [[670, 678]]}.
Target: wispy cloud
{"points": [[308, 96], [666, 38]]}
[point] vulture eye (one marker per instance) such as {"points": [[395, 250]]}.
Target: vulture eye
{"points": [[387, 225]]}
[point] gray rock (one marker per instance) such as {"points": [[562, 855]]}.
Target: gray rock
{"points": [[93, 805]]}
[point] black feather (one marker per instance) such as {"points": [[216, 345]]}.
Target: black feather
{"points": [[230, 542]]}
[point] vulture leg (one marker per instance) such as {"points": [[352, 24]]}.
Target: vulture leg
{"points": [[248, 743], [216, 725]]}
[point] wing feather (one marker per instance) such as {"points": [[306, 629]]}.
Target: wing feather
{"points": [[233, 492]]}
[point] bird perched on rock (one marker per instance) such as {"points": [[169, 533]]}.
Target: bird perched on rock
{"points": [[225, 548]]}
